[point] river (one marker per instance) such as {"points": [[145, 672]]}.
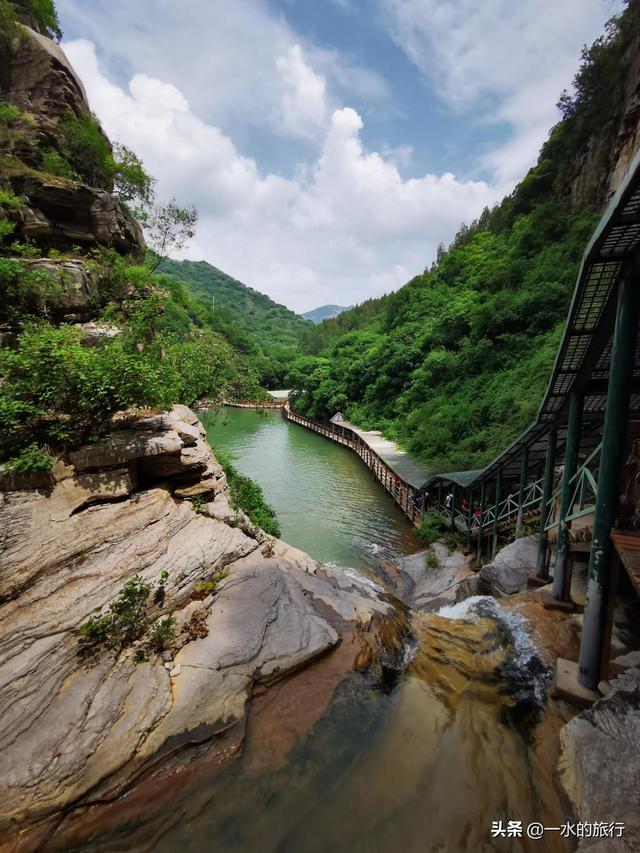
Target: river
{"points": [[328, 503], [340, 761]]}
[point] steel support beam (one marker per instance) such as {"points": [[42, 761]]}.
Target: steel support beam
{"points": [[494, 538], [561, 581], [469, 517], [600, 578], [483, 490], [547, 490], [524, 465]]}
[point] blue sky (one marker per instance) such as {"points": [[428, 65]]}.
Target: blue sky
{"points": [[329, 145]]}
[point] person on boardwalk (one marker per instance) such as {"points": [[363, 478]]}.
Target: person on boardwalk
{"points": [[448, 500]]}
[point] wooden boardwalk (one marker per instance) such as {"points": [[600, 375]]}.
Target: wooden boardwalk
{"points": [[400, 476]]}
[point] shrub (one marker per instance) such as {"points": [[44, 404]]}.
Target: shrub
{"points": [[431, 561], [249, 497], [24, 292], [45, 15], [162, 634], [55, 164], [204, 588], [87, 151], [9, 114], [432, 526], [30, 460], [124, 622], [196, 628]]}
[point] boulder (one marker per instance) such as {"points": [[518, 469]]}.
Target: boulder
{"points": [[507, 573], [431, 587], [600, 764], [76, 287]]}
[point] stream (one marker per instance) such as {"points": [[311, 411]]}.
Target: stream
{"points": [[347, 763]]}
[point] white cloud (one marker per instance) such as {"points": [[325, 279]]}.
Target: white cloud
{"points": [[239, 64], [346, 227], [303, 100], [499, 61]]}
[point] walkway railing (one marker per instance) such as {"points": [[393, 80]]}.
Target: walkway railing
{"points": [[257, 404], [508, 511], [584, 490], [404, 495]]}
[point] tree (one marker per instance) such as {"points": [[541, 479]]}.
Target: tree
{"points": [[167, 228], [130, 181]]}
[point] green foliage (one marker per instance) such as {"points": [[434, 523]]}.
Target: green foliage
{"points": [[268, 333], [45, 15], [31, 460], [167, 228], [131, 184], [432, 527], [8, 199], [204, 588], [162, 634], [24, 292], [124, 622], [8, 113], [198, 503], [431, 561], [57, 391], [248, 496], [55, 164], [87, 151]]}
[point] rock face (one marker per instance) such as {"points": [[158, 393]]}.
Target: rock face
{"points": [[38, 78], [70, 725], [600, 764], [604, 160], [58, 213], [507, 573]]}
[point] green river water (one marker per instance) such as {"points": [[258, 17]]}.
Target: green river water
{"points": [[327, 501], [342, 761]]}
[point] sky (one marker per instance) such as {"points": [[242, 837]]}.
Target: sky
{"points": [[329, 145]]}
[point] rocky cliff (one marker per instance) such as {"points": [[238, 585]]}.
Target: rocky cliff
{"points": [[57, 211], [82, 721]]}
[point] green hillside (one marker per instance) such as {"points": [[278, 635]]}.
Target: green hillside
{"points": [[253, 323], [455, 363]]}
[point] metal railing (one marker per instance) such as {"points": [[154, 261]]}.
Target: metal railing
{"points": [[584, 485]]}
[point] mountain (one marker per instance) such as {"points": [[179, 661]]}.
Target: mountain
{"points": [[325, 312], [455, 363], [251, 321]]}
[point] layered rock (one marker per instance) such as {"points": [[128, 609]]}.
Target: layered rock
{"points": [[72, 725], [57, 213]]}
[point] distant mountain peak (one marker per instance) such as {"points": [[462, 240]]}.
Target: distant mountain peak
{"points": [[325, 312]]}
